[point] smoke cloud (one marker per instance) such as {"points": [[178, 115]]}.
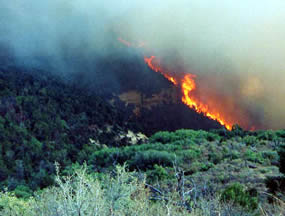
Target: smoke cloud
{"points": [[236, 49]]}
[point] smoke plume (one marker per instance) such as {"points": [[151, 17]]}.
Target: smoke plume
{"points": [[236, 49]]}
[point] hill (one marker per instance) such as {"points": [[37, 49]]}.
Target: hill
{"points": [[44, 120]]}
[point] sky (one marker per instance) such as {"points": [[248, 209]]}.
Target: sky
{"points": [[236, 48]]}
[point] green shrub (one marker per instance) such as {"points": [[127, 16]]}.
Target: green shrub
{"points": [[267, 135], [190, 154], [253, 157], [280, 133], [272, 156], [212, 137], [11, 205], [215, 157], [22, 191], [183, 134], [250, 140], [121, 193], [164, 137], [238, 194], [200, 166], [157, 174], [147, 160]]}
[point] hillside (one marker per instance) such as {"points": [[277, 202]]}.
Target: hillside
{"points": [[44, 120]]}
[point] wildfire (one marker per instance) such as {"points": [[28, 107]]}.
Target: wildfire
{"points": [[188, 86], [157, 68]]}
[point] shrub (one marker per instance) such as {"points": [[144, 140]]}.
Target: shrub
{"points": [[250, 140], [147, 160], [216, 157], [237, 194], [22, 191], [267, 135], [183, 134], [237, 131], [254, 157], [157, 174], [11, 205], [163, 137], [190, 154], [280, 133], [272, 156], [119, 194]]}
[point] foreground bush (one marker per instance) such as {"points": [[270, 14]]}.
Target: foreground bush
{"points": [[119, 193], [240, 196], [81, 194]]}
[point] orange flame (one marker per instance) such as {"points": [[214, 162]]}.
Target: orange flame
{"points": [[149, 62], [188, 86]]}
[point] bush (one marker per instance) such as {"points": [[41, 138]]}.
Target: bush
{"points": [[267, 135], [147, 160], [80, 194], [22, 191], [250, 140], [183, 134], [276, 184], [216, 157], [157, 174], [11, 205], [190, 154], [237, 194], [272, 156], [120, 193], [254, 157], [163, 137]]}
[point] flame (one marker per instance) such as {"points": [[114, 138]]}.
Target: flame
{"points": [[126, 43], [139, 44], [188, 86], [157, 68]]}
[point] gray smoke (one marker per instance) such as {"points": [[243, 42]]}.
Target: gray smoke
{"points": [[236, 48]]}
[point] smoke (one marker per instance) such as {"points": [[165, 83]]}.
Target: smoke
{"points": [[57, 30], [236, 49]]}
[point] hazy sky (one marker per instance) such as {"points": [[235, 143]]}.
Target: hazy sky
{"points": [[236, 47]]}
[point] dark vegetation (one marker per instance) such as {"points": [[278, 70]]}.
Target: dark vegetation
{"points": [[43, 121]]}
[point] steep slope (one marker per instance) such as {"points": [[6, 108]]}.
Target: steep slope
{"points": [[43, 120]]}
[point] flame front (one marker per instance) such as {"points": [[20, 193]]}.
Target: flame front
{"points": [[157, 68], [188, 86]]}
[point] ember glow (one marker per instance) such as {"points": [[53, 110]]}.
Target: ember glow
{"points": [[129, 44], [188, 86]]}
